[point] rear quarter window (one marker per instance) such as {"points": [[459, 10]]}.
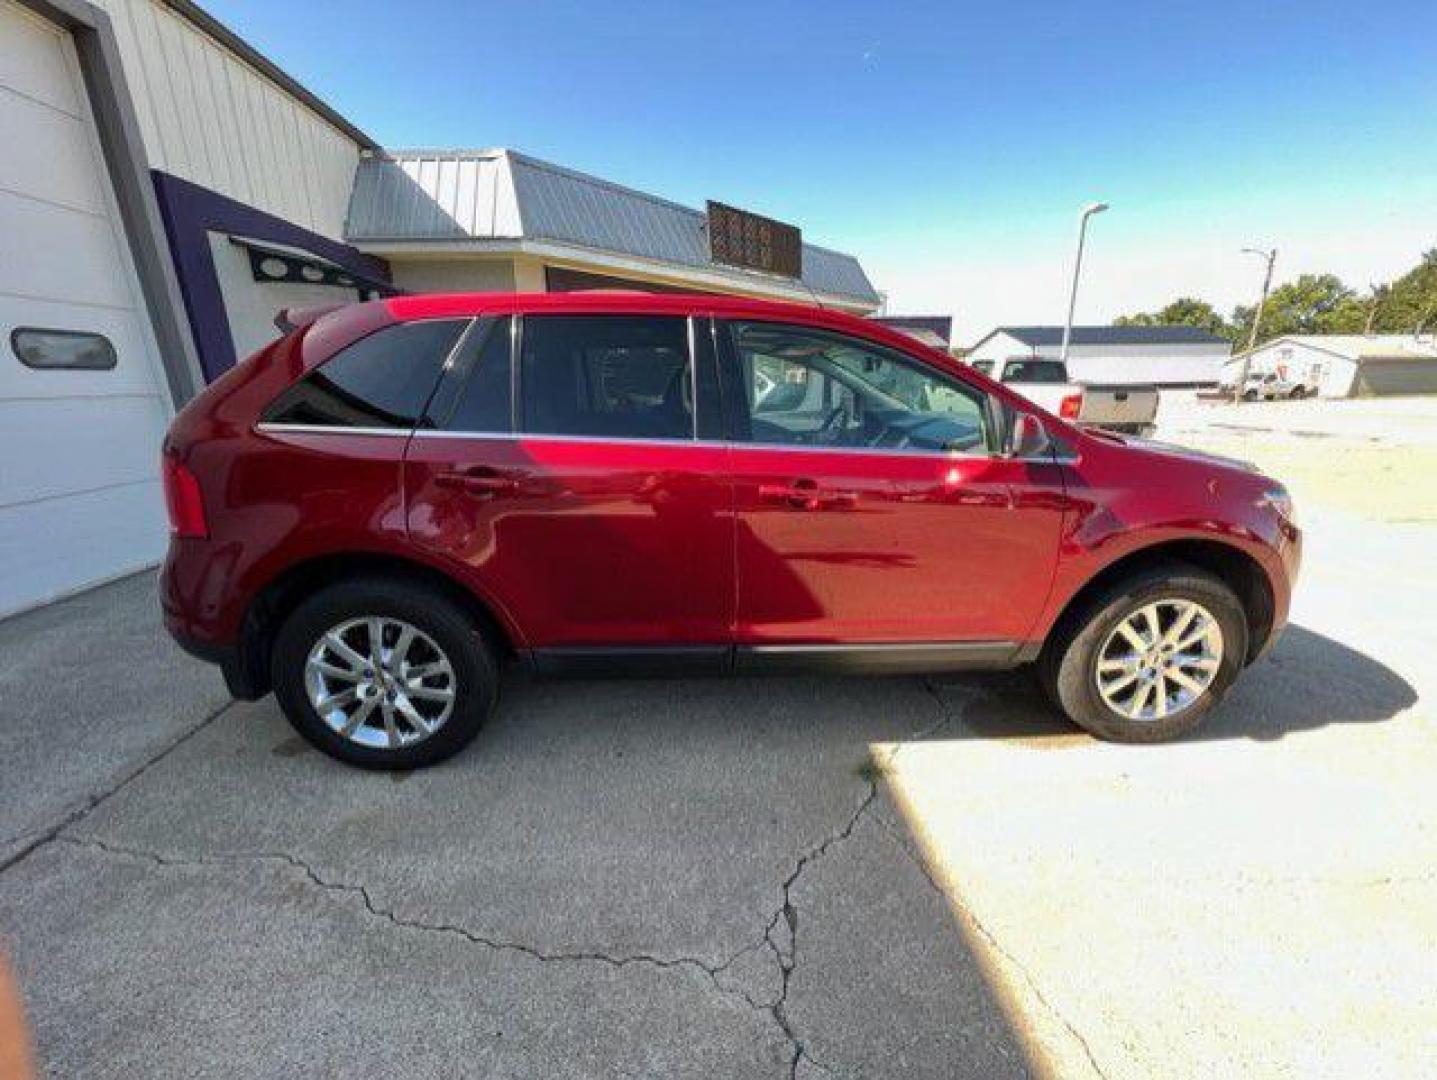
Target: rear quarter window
{"points": [[381, 381]]}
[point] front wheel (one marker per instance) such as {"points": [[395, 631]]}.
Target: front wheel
{"points": [[1147, 659], [384, 674]]}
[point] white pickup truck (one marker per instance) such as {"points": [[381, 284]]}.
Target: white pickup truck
{"points": [[1130, 410]]}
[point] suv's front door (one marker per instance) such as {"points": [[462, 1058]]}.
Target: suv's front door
{"points": [[561, 465], [871, 506]]}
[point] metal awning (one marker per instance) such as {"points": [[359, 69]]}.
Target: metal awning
{"points": [[275, 264]]}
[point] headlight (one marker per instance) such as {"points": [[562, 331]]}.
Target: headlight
{"points": [[1279, 499]]}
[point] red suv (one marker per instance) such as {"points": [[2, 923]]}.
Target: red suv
{"points": [[375, 512]]}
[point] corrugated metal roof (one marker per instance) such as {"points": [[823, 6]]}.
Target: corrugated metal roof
{"points": [[1113, 335], [498, 194]]}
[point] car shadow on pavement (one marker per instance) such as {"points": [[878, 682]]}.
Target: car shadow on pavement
{"points": [[1309, 681]]}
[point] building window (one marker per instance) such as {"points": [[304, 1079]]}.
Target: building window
{"points": [[62, 350], [383, 380], [607, 376]]}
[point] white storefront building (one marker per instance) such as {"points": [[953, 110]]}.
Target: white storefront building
{"points": [[1346, 365], [1170, 356]]}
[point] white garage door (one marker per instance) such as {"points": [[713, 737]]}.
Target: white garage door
{"points": [[79, 445]]}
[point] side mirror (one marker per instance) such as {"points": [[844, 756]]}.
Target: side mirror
{"points": [[1027, 437]]}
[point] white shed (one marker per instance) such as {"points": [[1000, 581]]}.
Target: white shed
{"points": [[1165, 355], [1346, 365]]}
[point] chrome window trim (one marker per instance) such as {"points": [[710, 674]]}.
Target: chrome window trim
{"points": [[708, 444], [725, 444], [271, 427]]}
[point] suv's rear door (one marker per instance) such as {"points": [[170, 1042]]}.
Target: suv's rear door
{"points": [[560, 465]]}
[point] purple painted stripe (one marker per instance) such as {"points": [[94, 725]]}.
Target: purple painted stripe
{"points": [[190, 212]]}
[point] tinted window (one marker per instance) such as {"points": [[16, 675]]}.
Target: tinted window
{"points": [[985, 366], [477, 394], [608, 376], [383, 380], [67, 350], [1035, 371], [811, 387]]}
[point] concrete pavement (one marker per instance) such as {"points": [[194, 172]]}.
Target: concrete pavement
{"points": [[91, 689]]}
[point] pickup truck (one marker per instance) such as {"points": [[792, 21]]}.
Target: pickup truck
{"points": [[1129, 410]]}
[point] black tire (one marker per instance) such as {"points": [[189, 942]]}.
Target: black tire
{"points": [[470, 655], [1067, 666]]}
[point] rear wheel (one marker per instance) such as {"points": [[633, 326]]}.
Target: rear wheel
{"points": [[1148, 658], [384, 674]]}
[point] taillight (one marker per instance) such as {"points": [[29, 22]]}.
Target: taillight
{"points": [[1070, 406], [183, 500]]}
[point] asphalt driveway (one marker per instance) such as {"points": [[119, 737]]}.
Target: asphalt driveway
{"points": [[737, 878]]}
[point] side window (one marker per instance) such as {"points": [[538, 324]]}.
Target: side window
{"points": [[476, 395], [810, 387], [985, 366], [607, 376], [382, 380]]}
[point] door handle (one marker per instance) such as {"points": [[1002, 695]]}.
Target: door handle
{"points": [[806, 494], [478, 481]]}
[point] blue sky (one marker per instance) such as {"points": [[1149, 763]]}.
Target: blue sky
{"points": [[949, 146]]}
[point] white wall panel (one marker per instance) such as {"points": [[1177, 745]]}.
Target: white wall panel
{"points": [[131, 374], [210, 118], [32, 60], [73, 444], [54, 253], [57, 165], [53, 547]]}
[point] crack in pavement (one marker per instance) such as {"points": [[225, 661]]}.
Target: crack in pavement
{"points": [[966, 913], [785, 918], [787, 959], [373, 908], [45, 834]]}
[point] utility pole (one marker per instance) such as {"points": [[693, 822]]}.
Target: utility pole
{"points": [[1241, 384], [1379, 295], [1088, 211]]}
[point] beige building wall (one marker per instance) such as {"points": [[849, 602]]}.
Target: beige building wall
{"points": [[208, 117], [452, 274]]}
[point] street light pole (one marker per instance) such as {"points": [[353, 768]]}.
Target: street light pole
{"points": [[1089, 211], [1241, 384]]}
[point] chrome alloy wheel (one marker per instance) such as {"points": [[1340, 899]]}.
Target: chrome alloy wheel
{"points": [[1159, 660], [380, 682]]}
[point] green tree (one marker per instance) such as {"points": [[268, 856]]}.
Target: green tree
{"points": [[1313, 304], [1410, 302], [1185, 311]]}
